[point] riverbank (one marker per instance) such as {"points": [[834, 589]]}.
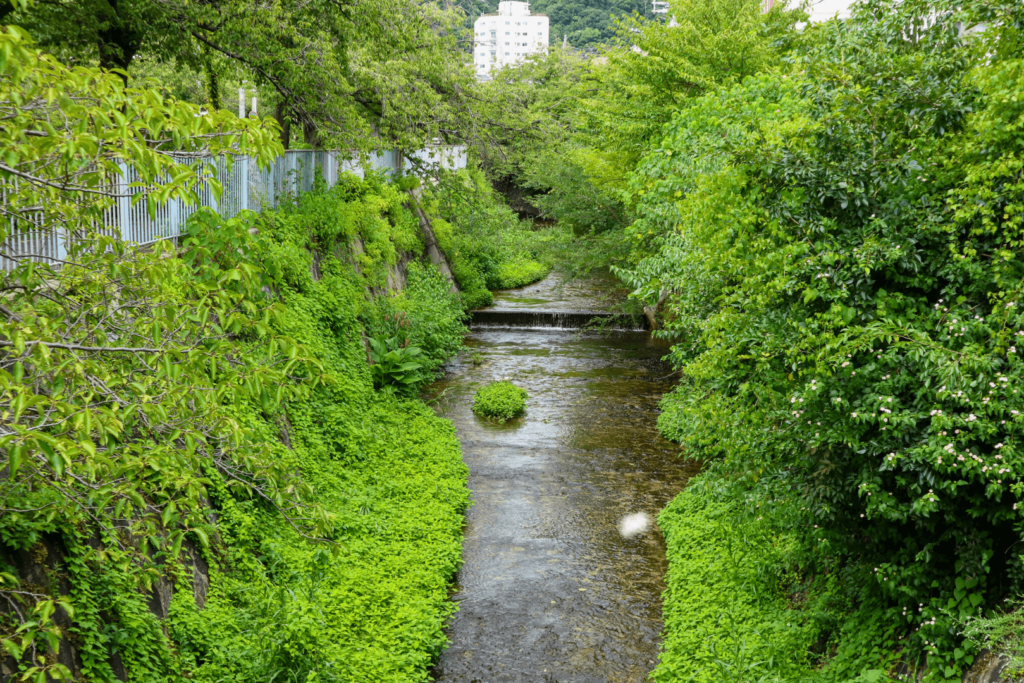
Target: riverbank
{"points": [[308, 515]]}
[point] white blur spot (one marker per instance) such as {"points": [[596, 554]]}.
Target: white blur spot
{"points": [[631, 525]]}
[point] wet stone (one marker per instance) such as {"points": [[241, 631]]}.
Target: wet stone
{"points": [[549, 590]]}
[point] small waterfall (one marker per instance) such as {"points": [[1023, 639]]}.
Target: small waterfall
{"points": [[561, 320]]}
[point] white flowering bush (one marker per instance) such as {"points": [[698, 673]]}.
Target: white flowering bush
{"points": [[843, 253]]}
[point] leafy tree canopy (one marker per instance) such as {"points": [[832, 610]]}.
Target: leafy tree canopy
{"points": [[345, 71]]}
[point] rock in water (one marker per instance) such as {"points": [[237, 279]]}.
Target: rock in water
{"points": [[631, 525]]}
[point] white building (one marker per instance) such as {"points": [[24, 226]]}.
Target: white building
{"points": [[820, 10], [507, 37]]}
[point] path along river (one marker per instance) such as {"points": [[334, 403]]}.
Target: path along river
{"points": [[550, 591]]}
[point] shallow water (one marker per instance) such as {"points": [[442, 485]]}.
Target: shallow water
{"points": [[549, 590]]}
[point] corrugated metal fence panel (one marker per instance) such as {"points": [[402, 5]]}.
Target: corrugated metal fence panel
{"points": [[245, 186], [433, 158], [31, 242]]}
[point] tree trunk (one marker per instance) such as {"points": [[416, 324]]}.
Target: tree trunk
{"points": [[311, 134], [119, 42], [651, 312], [212, 82]]}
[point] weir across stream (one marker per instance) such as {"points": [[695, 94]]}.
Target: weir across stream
{"points": [[549, 589]]}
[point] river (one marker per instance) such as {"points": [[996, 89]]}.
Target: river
{"points": [[550, 590]]}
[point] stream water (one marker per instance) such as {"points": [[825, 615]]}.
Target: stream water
{"points": [[549, 589]]}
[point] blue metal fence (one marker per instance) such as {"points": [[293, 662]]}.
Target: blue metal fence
{"points": [[245, 186]]}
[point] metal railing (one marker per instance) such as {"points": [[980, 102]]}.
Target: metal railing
{"points": [[244, 185]]}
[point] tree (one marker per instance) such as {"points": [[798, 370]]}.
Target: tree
{"points": [[117, 369], [840, 248], [346, 72]]}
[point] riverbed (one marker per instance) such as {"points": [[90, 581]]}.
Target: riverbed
{"points": [[550, 590]]}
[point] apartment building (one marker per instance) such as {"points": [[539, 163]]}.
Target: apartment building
{"points": [[507, 37]]}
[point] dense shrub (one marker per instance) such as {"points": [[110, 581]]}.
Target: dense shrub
{"points": [[488, 245], [840, 247], [500, 400], [425, 314]]}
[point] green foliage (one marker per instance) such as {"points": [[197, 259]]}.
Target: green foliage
{"points": [[716, 42], [110, 411], [218, 408], [838, 246], [488, 246], [570, 197], [500, 400], [426, 314], [575, 128], [518, 273], [395, 368], [342, 74], [731, 611]]}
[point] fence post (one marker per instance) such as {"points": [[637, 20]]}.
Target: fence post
{"points": [[173, 218], [242, 172], [214, 204], [124, 203]]}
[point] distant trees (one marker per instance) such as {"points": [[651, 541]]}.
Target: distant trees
{"points": [[577, 125]]}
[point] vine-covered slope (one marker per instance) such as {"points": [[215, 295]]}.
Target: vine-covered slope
{"points": [[330, 560]]}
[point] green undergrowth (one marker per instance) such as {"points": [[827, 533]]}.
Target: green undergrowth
{"points": [[332, 546], [519, 273], [488, 246], [371, 605], [500, 400], [744, 602], [727, 605]]}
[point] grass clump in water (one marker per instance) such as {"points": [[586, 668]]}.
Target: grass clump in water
{"points": [[500, 400]]}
